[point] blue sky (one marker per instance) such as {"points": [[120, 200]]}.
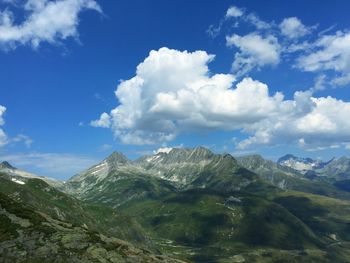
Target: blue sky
{"points": [[60, 71]]}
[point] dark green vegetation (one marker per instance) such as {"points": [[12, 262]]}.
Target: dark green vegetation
{"points": [[196, 206], [46, 199], [207, 226], [289, 179], [29, 236]]}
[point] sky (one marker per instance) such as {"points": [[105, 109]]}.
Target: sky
{"points": [[82, 78]]}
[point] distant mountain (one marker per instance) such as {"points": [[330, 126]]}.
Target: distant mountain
{"points": [[281, 176], [300, 164], [87, 180], [338, 169], [178, 165], [286, 177], [335, 169], [20, 176], [155, 175], [6, 165], [258, 164], [116, 180]]}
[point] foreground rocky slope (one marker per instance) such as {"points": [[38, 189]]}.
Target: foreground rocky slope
{"points": [[46, 199], [30, 236]]}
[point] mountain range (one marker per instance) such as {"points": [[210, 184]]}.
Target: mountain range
{"points": [[336, 168], [180, 204]]}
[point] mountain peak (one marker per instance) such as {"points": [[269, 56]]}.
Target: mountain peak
{"points": [[257, 157], [287, 157], [117, 158], [7, 165], [190, 154], [299, 163], [202, 150]]}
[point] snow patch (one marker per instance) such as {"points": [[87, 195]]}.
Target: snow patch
{"points": [[101, 164], [152, 158], [163, 150], [17, 181], [97, 171]]}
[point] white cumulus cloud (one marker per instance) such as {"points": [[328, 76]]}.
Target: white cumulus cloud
{"points": [[163, 150], [329, 53], [2, 112], [311, 123], [292, 27], [255, 51], [234, 11], [45, 21], [103, 122], [174, 92]]}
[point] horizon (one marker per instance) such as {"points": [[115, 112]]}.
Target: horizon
{"points": [[250, 78], [166, 150]]}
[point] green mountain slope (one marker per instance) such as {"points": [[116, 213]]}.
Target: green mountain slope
{"points": [[29, 236], [98, 217], [211, 208], [207, 226], [289, 179]]}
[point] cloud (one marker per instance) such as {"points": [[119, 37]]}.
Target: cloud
{"points": [[234, 11], [270, 43], [236, 15], [311, 123], [23, 138], [292, 27], [255, 51], [250, 18], [45, 21], [329, 53], [174, 92], [319, 83], [3, 137], [103, 122], [257, 22], [163, 150], [58, 165], [2, 112]]}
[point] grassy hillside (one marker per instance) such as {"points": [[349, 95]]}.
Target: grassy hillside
{"points": [[41, 197], [29, 236]]}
